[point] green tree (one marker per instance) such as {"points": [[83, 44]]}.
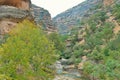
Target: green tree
{"points": [[27, 54], [56, 39], [116, 11]]}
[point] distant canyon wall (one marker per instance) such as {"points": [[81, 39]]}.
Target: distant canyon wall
{"points": [[43, 18]]}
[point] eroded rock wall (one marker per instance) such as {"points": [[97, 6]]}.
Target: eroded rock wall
{"points": [[11, 14], [22, 4], [43, 18]]}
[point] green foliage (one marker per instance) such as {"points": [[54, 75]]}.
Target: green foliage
{"points": [[115, 45], [70, 44], [104, 51], [104, 63], [102, 48], [27, 54], [78, 53], [108, 30], [108, 69], [58, 43], [96, 56], [116, 11], [3, 38], [98, 37], [67, 53], [98, 17], [63, 37], [98, 6], [4, 77]]}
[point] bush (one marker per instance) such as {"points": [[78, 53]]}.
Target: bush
{"points": [[27, 54], [116, 11], [56, 39]]}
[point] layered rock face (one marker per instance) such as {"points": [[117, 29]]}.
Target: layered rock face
{"points": [[43, 18], [22, 4], [11, 14]]}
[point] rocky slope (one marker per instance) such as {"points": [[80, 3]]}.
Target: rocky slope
{"points": [[72, 17], [95, 40], [43, 17]]}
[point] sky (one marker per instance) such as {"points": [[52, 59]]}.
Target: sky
{"points": [[56, 6]]}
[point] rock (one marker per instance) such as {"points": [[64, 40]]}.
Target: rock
{"points": [[82, 42], [10, 16], [60, 77], [72, 17], [43, 18], [69, 67], [21, 4], [84, 58], [6, 26], [80, 65], [13, 12], [71, 73], [64, 61], [58, 67]]}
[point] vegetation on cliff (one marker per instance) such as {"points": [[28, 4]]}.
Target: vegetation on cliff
{"points": [[73, 16], [97, 38], [27, 53], [103, 60]]}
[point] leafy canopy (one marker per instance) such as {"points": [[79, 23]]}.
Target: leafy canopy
{"points": [[27, 54]]}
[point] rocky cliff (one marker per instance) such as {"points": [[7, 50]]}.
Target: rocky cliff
{"points": [[43, 17], [10, 16], [72, 17], [11, 13]]}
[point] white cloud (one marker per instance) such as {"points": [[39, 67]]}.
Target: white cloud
{"points": [[56, 6]]}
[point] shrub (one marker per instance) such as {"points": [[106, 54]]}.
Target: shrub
{"points": [[56, 39], [116, 11], [27, 54]]}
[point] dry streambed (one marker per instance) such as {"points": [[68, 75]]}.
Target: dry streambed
{"points": [[69, 74]]}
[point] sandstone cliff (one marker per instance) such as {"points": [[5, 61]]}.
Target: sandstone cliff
{"points": [[10, 16], [11, 13]]}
